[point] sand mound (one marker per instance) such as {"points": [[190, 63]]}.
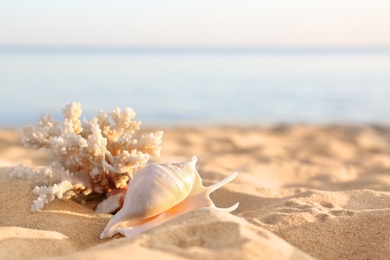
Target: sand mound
{"points": [[206, 234]]}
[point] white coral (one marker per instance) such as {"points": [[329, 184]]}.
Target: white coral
{"points": [[99, 156], [48, 194]]}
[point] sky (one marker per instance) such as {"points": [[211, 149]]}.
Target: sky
{"points": [[189, 23]]}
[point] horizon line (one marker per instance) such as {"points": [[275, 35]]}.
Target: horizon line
{"points": [[144, 49]]}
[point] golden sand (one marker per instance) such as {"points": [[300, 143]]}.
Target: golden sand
{"points": [[304, 191]]}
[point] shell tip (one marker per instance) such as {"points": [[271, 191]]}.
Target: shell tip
{"points": [[194, 159], [104, 235], [222, 182], [230, 209]]}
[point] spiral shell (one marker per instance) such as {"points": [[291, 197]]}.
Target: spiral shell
{"points": [[160, 192]]}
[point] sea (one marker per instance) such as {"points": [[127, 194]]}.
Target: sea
{"points": [[199, 86]]}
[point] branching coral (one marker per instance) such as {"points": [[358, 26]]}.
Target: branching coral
{"points": [[97, 156]]}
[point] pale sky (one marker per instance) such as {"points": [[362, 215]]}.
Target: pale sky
{"points": [[358, 23]]}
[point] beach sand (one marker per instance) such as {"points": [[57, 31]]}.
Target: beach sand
{"points": [[305, 192]]}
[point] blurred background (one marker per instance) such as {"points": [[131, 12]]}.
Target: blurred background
{"points": [[197, 62]]}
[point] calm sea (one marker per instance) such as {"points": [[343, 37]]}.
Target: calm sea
{"points": [[195, 87]]}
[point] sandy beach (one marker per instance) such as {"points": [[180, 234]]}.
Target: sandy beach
{"points": [[305, 192]]}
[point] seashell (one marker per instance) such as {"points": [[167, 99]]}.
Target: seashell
{"points": [[160, 192]]}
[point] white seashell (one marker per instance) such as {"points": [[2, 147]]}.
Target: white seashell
{"points": [[160, 192]]}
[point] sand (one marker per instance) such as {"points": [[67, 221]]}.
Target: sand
{"points": [[305, 192]]}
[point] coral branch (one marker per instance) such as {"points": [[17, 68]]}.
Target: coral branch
{"points": [[48, 194]]}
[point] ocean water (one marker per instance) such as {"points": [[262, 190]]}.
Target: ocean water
{"points": [[191, 87]]}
